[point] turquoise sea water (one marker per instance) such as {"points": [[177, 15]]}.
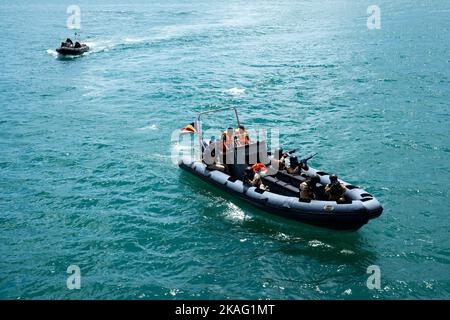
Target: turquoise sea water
{"points": [[86, 176]]}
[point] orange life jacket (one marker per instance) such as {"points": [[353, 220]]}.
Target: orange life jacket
{"points": [[259, 167], [227, 141], [242, 137]]}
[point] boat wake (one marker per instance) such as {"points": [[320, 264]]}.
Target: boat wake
{"points": [[56, 55], [94, 47], [236, 214], [235, 91], [158, 35], [148, 127], [53, 53], [101, 46]]}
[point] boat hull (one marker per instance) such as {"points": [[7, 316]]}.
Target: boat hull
{"points": [[327, 214], [71, 51]]}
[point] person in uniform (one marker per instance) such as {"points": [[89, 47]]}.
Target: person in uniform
{"points": [[335, 190]]}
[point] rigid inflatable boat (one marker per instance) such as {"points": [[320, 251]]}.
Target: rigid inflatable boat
{"points": [[282, 198], [72, 51], [67, 48]]}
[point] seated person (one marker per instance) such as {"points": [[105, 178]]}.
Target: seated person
{"points": [[311, 189], [209, 154], [335, 190], [212, 145], [277, 161], [292, 168], [318, 188], [295, 167], [77, 45], [253, 178], [306, 190], [260, 168], [248, 175]]}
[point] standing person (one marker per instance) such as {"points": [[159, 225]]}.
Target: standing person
{"points": [[227, 143], [242, 136], [227, 139]]}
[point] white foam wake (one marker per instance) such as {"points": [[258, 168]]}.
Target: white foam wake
{"points": [[236, 214], [52, 53], [149, 127], [235, 91]]}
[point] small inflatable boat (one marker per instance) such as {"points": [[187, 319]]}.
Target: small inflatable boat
{"points": [[282, 197], [67, 48], [72, 51]]}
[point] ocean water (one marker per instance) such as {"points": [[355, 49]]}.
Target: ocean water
{"points": [[86, 176]]}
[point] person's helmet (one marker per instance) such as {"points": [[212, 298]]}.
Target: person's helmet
{"points": [[333, 178], [294, 161], [315, 179], [241, 127]]}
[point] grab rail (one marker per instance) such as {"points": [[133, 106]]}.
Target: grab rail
{"points": [[221, 109], [199, 128]]}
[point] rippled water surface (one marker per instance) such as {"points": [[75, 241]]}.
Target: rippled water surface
{"points": [[87, 177]]}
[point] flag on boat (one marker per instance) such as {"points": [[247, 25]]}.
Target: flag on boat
{"points": [[190, 128]]}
